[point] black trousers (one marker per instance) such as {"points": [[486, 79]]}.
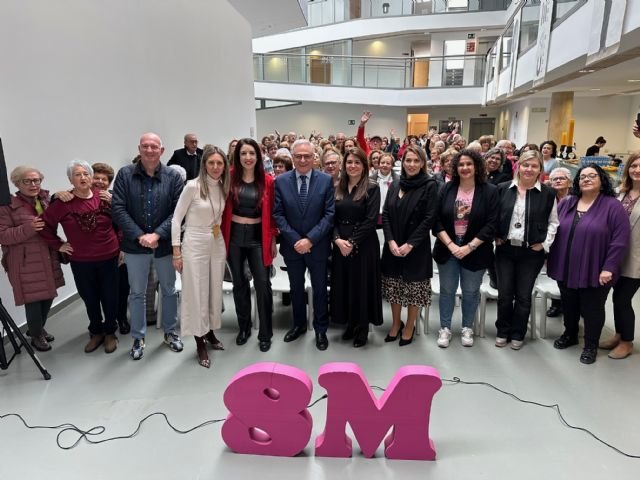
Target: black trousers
{"points": [[36, 313], [623, 313], [517, 269], [246, 244], [587, 303], [97, 284]]}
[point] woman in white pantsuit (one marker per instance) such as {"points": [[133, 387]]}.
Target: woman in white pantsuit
{"points": [[201, 260]]}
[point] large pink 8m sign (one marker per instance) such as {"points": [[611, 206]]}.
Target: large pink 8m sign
{"points": [[268, 413]]}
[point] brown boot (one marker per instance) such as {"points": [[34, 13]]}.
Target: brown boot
{"points": [[110, 343], [611, 343], [40, 343], [94, 342], [623, 350]]}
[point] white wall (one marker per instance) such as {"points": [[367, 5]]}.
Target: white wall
{"points": [[331, 118], [521, 125], [609, 116], [436, 114], [85, 79]]}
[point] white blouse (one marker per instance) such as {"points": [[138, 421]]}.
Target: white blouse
{"points": [[195, 211]]}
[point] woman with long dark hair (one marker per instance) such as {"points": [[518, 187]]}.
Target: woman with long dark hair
{"points": [[355, 267], [585, 259], [200, 257], [250, 236]]}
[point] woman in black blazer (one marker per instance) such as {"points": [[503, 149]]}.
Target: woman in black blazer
{"points": [[466, 225], [409, 214]]}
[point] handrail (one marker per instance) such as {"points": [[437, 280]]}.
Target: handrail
{"points": [[329, 12], [370, 71]]}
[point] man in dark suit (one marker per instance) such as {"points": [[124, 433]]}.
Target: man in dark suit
{"points": [[188, 157], [303, 210]]}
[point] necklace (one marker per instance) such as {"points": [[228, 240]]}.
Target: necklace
{"points": [[216, 217]]}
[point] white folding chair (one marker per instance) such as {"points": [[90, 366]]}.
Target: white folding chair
{"points": [[546, 288]]}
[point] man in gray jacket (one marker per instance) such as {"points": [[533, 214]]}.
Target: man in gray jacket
{"points": [[144, 197]]}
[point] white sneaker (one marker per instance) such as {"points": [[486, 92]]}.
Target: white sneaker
{"points": [[501, 342], [516, 344], [444, 336], [467, 337]]}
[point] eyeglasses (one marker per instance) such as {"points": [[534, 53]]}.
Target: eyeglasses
{"points": [[330, 164], [589, 176], [559, 179], [31, 181], [301, 156]]}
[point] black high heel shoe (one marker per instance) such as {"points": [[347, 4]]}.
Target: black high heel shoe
{"points": [[404, 342], [389, 338]]}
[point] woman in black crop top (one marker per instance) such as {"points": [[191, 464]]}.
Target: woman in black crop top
{"points": [[249, 233]]}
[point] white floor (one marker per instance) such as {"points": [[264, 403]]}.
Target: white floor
{"points": [[478, 433]]}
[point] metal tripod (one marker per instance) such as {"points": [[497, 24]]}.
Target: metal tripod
{"points": [[17, 340]]}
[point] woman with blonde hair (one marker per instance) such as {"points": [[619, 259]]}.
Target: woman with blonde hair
{"points": [[200, 257]]}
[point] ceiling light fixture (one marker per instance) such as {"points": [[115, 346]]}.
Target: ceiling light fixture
{"points": [[586, 70], [595, 89], [633, 81]]}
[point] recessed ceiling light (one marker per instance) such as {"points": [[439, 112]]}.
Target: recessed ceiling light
{"points": [[633, 81], [595, 89], [586, 70], [533, 91]]}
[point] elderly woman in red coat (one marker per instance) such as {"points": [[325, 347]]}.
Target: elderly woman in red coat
{"points": [[32, 267]]}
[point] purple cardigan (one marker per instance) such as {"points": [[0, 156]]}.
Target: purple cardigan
{"points": [[600, 242]]}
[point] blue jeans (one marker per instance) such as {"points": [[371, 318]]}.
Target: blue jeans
{"points": [[138, 269], [451, 273]]}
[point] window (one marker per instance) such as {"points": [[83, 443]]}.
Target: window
{"points": [[529, 25], [453, 67]]}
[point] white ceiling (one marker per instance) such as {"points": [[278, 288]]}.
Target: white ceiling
{"points": [[268, 17], [606, 81]]}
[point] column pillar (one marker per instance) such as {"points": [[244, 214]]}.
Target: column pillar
{"points": [[560, 112]]}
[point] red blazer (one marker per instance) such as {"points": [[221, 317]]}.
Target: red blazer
{"points": [[269, 229]]}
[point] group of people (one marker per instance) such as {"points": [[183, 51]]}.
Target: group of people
{"points": [[327, 202]]}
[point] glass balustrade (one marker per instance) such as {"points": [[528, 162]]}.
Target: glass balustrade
{"points": [[371, 72], [324, 12]]}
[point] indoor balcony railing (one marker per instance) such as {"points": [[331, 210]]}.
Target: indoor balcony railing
{"points": [[371, 72], [325, 12]]}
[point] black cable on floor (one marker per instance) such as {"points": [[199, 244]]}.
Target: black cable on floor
{"points": [[100, 429]]}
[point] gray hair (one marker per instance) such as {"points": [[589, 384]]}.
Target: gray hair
{"points": [[565, 171], [180, 169], [18, 173], [78, 163], [300, 141]]}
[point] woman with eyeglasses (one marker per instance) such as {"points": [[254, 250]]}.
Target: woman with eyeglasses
{"points": [[560, 181], [527, 226], [585, 259], [332, 163], [494, 158], [33, 268], [621, 344], [93, 249]]}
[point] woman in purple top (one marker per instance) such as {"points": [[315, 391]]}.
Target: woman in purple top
{"points": [[591, 242], [93, 248]]}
